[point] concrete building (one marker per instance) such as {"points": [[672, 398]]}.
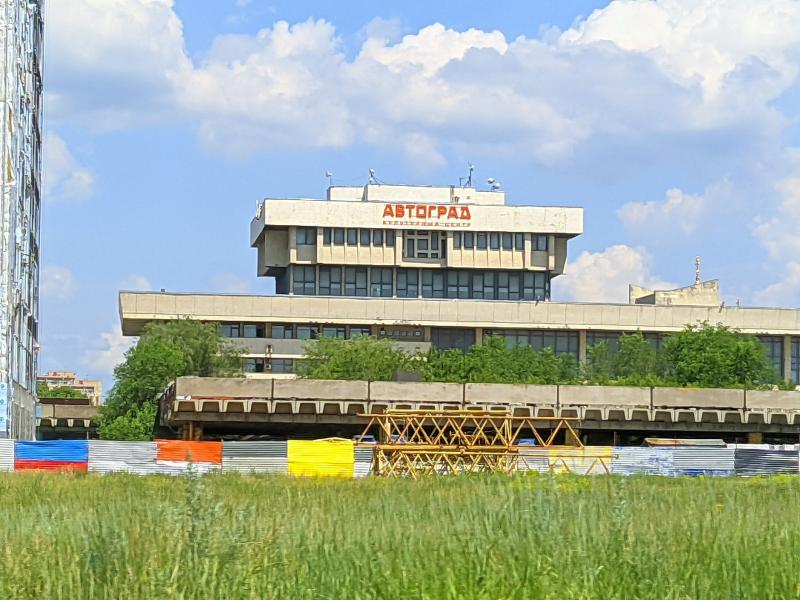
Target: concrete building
{"points": [[91, 388], [441, 266], [21, 31]]}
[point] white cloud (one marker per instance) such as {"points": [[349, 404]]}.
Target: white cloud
{"points": [[57, 282], [638, 72], [64, 179], [228, 283], [111, 348], [136, 283], [605, 276], [678, 211], [780, 236]]}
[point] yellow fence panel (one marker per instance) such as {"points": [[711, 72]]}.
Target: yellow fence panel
{"points": [[593, 460], [321, 458]]}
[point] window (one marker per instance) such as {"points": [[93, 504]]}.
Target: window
{"points": [[481, 241], [460, 339], [796, 360], [562, 342], [432, 284], [355, 281], [425, 244], [306, 236], [469, 240], [377, 237], [360, 330], [330, 281], [611, 338], [307, 332], [519, 242], [540, 242], [352, 237], [364, 236], [338, 236], [253, 330], [304, 280], [390, 238], [381, 282], [407, 283], [535, 286], [327, 236], [230, 330], [253, 365], [334, 331], [457, 240], [281, 365], [773, 348], [508, 241], [282, 332], [458, 284], [494, 241]]}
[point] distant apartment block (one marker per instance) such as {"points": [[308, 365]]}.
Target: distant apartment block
{"points": [[91, 388]]}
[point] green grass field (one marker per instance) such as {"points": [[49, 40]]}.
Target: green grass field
{"points": [[79, 536]]}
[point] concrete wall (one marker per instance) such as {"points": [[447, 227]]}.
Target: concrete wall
{"points": [[387, 391], [698, 398], [226, 387], [595, 395], [320, 389], [499, 393], [775, 400]]}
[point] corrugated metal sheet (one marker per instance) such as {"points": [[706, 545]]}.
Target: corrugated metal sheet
{"points": [[363, 461], [765, 462], [53, 450], [122, 457], [321, 458], [6, 455], [175, 451], [255, 457], [703, 461], [533, 460], [645, 461]]}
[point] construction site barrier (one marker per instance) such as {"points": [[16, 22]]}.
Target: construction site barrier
{"points": [[345, 458]]}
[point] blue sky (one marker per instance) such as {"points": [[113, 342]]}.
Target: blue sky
{"points": [[674, 123]]}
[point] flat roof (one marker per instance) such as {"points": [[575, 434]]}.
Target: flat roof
{"points": [[138, 308]]}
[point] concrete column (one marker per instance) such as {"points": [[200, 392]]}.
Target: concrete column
{"points": [[478, 336], [582, 346], [787, 357], [755, 437]]}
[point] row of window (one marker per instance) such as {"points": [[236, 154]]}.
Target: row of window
{"points": [[419, 243], [311, 332], [268, 365], [611, 338], [387, 282], [562, 342]]}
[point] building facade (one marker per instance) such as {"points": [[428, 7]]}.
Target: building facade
{"points": [[443, 267], [91, 388], [21, 28]]}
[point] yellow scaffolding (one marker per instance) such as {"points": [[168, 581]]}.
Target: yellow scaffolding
{"points": [[412, 443]]}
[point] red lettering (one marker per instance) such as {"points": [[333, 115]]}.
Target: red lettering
{"points": [[452, 213], [387, 211], [431, 210], [465, 213], [421, 213], [441, 211], [410, 210], [399, 211]]}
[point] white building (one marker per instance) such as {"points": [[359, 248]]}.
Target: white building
{"points": [[21, 39], [441, 266]]}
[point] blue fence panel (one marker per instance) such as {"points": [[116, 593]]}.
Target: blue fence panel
{"points": [[53, 450]]}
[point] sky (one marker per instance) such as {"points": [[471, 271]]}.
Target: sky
{"points": [[674, 123]]}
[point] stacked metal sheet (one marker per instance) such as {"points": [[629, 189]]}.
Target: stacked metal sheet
{"points": [[51, 455], [698, 460], [533, 459], [123, 457], [363, 461], [765, 461], [255, 457], [628, 460], [6, 455]]}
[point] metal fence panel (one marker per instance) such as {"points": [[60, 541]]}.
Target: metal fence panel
{"points": [[363, 461], [6, 455], [698, 460], [122, 457], [255, 457], [758, 461], [628, 460]]}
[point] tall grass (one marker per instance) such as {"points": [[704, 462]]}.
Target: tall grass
{"points": [[230, 536]]}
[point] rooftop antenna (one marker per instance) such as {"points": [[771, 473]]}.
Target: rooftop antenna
{"points": [[329, 175], [372, 178], [467, 181], [494, 185], [697, 270]]}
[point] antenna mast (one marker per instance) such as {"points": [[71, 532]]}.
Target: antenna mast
{"points": [[697, 270]]}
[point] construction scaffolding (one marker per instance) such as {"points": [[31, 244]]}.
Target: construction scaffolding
{"points": [[412, 443]]}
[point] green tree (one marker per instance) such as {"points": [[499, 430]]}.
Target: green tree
{"points": [[360, 358], [45, 391], [637, 362], [164, 351], [717, 356], [599, 366]]}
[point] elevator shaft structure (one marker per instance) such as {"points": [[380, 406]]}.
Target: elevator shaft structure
{"points": [[412, 443]]}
